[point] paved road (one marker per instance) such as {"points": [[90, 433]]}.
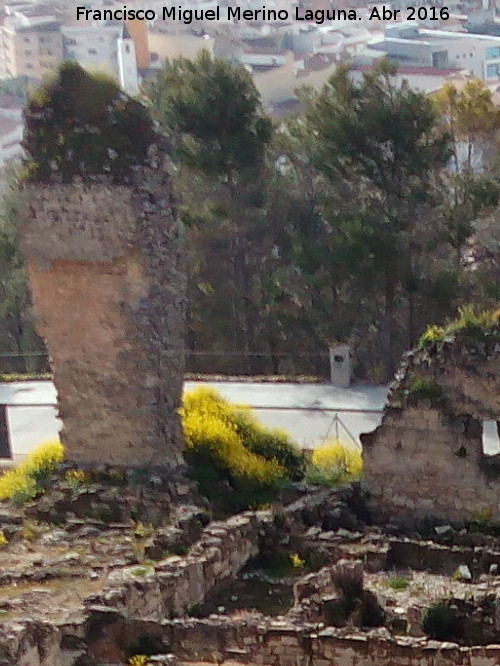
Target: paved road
{"points": [[306, 411], [309, 412]]}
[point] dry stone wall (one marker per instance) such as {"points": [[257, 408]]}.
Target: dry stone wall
{"points": [[108, 283], [426, 459]]}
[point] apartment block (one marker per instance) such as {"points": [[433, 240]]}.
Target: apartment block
{"points": [[29, 46]]}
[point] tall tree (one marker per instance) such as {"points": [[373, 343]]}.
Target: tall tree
{"points": [[219, 132], [17, 332], [376, 143]]}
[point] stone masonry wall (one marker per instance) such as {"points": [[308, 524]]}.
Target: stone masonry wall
{"points": [[179, 583], [106, 272], [426, 459]]}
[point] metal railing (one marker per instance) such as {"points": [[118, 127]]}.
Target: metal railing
{"points": [[202, 362]]}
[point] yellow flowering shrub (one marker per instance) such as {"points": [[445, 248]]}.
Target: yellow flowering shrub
{"points": [[271, 444], [23, 482], [138, 660], [222, 442], [335, 462]]}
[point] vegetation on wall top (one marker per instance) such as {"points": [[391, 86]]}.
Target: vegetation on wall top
{"points": [[470, 325], [82, 124]]}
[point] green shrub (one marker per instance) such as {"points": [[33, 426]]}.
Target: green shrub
{"points": [[442, 622], [81, 124], [334, 463], [26, 481]]}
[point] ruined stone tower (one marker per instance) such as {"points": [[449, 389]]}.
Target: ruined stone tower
{"points": [[104, 256]]}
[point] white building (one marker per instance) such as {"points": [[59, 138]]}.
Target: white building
{"points": [[442, 49], [104, 47], [127, 62]]}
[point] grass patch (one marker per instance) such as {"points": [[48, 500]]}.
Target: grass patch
{"points": [[398, 583]]}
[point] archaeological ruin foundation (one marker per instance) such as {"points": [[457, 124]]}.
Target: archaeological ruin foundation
{"points": [[105, 264], [111, 564], [427, 458]]}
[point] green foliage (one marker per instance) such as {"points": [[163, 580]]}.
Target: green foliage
{"points": [[219, 439], [471, 324], [27, 480], [334, 463], [212, 110], [431, 335], [17, 331], [420, 388], [142, 571], [442, 622], [81, 124], [398, 583]]}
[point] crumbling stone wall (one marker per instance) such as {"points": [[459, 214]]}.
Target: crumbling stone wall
{"points": [[426, 459], [106, 272]]}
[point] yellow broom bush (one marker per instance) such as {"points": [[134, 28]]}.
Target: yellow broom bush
{"points": [[333, 463], [236, 461], [270, 443], [23, 482]]}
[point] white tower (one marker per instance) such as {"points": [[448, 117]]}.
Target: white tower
{"points": [[127, 63]]}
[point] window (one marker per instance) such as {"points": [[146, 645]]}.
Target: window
{"points": [[28, 52], [491, 441], [492, 71], [92, 52], [27, 40], [492, 53], [127, 48], [29, 65]]}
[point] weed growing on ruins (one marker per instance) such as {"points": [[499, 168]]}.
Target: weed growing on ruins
{"points": [[29, 530], [143, 530], [27, 480], [398, 583], [442, 622], [297, 561], [142, 571], [235, 460], [423, 389], [77, 478], [334, 463], [138, 660], [470, 323], [3, 539]]}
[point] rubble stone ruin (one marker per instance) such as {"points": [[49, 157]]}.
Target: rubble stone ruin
{"points": [[103, 249], [427, 458]]}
